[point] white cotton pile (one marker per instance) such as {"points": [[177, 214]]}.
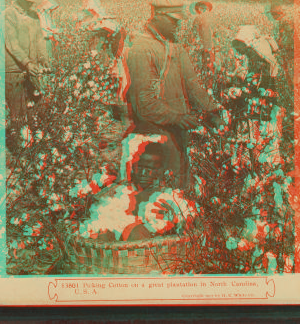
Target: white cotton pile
{"points": [[110, 213], [182, 211]]}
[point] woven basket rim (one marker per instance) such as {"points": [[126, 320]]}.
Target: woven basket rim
{"points": [[139, 244]]}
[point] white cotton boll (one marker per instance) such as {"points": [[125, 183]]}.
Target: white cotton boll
{"points": [[94, 53], [86, 190], [272, 262], [54, 197], [27, 136], [250, 230], [26, 133], [91, 84], [56, 207], [96, 97], [271, 153], [67, 136], [231, 243], [78, 85], [83, 230], [103, 179], [87, 65], [87, 93], [288, 265], [55, 152], [39, 134], [200, 130]]}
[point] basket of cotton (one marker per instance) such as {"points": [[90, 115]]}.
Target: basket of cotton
{"points": [[119, 240]]}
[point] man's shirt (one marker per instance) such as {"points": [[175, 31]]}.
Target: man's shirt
{"points": [[24, 40], [202, 28], [180, 90]]}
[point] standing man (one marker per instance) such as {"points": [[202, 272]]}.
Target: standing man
{"points": [[106, 34], [202, 29], [164, 89], [25, 49]]}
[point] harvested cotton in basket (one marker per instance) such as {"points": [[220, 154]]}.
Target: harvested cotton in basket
{"points": [[167, 210], [110, 213]]}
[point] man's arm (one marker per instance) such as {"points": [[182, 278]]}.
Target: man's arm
{"points": [[197, 96], [142, 94], [43, 57], [206, 34]]}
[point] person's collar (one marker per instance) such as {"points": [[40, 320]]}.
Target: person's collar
{"points": [[23, 11], [150, 29], [19, 8]]}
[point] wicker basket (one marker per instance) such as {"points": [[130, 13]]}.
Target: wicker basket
{"points": [[138, 257]]}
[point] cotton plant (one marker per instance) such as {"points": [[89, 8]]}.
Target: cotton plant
{"points": [[59, 188], [250, 207], [61, 148], [264, 230]]}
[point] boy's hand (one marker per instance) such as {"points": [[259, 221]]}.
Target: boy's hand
{"points": [[164, 208]]}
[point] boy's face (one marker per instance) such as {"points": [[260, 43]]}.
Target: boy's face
{"points": [[148, 171]]}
